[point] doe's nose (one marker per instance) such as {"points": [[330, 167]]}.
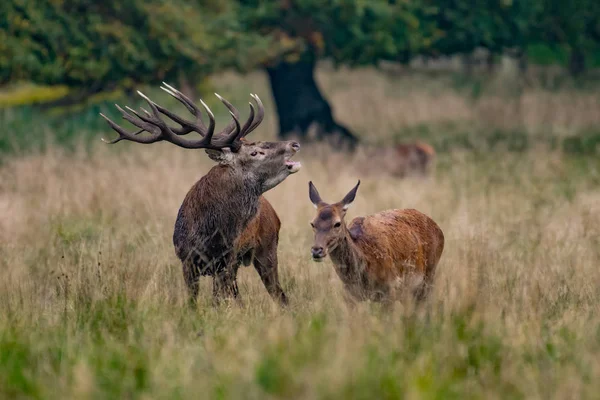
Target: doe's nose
{"points": [[295, 146], [317, 251]]}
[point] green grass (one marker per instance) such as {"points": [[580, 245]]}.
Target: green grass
{"points": [[115, 347]]}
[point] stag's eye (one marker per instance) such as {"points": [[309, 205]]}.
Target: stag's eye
{"points": [[254, 153], [311, 224], [337, 225]]}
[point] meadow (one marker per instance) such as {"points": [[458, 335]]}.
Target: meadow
{"points": [[93, 300]]}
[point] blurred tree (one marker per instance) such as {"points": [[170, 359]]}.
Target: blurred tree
{"points": [[93, 46], [350, 32], [574, 25], [358, 32], [493, 25]]}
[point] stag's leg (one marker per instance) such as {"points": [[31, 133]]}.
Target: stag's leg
{"points": [[225, 283], [265, 262], [224, 286], [191, 276]]}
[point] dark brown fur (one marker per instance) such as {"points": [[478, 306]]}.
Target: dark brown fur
{"points": [[378, 255], [224, 220]]}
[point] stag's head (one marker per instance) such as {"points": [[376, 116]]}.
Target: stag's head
{"points": [[329, 225], [266, 163]]}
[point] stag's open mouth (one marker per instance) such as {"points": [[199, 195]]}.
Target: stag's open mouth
{"points": [[318, 259], [293, 166]]}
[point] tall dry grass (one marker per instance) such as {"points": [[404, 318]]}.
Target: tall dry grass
{"points": [[93, 303]]}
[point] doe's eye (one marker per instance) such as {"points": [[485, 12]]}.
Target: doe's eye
{"points": [[337, 225], [311, 224], [253, 153]]}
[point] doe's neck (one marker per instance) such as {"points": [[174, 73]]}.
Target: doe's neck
{"points": [[346, 256]]}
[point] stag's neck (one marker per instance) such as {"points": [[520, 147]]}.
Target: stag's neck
{"points": [[227, 195], [239, 183], [348, 259]]}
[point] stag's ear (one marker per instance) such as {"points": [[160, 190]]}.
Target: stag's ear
{"points": [[313, 193], [223, 156], [349, 198]]}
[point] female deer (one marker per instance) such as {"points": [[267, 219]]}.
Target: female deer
{"points": [[379, 254]]}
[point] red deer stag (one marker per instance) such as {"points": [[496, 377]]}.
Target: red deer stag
{"points": [[224, 219], [378, 255]]}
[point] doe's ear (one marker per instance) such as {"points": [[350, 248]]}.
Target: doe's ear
{"points": [[313, 193], [223, 156], [349, 198]]}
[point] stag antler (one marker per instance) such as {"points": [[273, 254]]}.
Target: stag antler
{"points": [[151, 122]]}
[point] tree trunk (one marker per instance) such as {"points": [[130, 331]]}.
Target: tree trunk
{"points": [[490, 62], [300, 104], [576, 62], [522, 61], [468, 63]]}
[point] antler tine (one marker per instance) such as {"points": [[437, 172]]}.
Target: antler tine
{"points": [[211, 122], [248, 121], [125, 135], [186, 101], [144, 123], [146, 118], [227, 130], [259, 116], [232, 138], [152, 122], [137, 114], [168, 135], [186, 126]]}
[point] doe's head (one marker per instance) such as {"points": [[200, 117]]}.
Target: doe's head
{"points": [[328, 225]]}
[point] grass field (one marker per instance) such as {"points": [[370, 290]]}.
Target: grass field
{"points": [[92, 295]]}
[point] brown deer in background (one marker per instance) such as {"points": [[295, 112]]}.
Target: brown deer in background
{"points": [[413, 159], [401, 160], [224, 219], [380, 255]]}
